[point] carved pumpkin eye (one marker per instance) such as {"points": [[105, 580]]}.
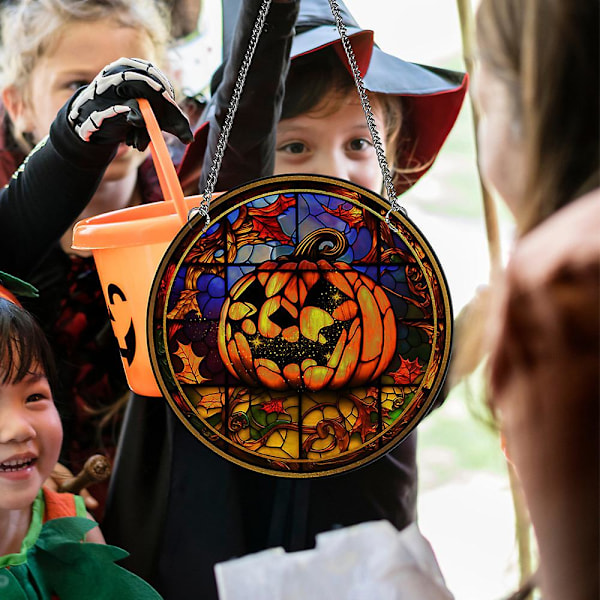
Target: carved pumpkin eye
{"points": [[283, 318]]}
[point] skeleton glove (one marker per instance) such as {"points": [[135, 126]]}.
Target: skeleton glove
{"points": [[106, 111]]}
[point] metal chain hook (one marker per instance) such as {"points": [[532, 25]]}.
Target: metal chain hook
{"points": [[211, 181], [366, 105]]}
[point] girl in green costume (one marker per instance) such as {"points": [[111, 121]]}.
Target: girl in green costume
{"points": [[41, 554]]}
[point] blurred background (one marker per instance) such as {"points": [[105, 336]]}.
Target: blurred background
{"points": [[465, 506], [465, 501]]}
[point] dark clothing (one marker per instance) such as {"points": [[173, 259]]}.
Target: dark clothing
{"points": [[46, 194], [178, 507], [250, 151], [42, 200], [218, 511]]}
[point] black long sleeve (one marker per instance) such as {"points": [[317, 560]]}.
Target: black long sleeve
{"points": [[250, 152], [46, 194]]}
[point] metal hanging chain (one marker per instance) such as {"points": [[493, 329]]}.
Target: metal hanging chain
{"points": [[211, 181], [364, 100]]}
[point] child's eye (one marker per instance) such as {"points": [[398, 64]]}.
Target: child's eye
{"points": [[360, 144], [74, 85], [292, 148], [37, 389], [35, 398]]}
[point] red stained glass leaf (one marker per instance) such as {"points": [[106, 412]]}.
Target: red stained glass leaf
{"points": [[173, 327], [364, 424], [265, 220], [273, 406], [408, 372], [353, 216]]}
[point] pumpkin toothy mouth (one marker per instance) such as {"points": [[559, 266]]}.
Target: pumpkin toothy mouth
{"points": [[283, 352]]}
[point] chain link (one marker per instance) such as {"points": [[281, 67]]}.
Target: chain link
{"points": [[211, 181], [366, 105]]}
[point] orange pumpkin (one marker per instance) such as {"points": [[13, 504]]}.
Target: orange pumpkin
{"points": [[303, 322]]}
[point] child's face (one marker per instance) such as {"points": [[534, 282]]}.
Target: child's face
{"points": [[81, 51], [30, 439], [334, 142]]}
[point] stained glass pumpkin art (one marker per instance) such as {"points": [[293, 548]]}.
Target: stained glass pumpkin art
{"points": [[300, 335]]}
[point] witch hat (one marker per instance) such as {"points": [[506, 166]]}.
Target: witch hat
{"points": [[432, 96]]}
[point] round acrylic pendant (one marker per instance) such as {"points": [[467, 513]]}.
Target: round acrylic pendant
{"points": [[299, 335]]}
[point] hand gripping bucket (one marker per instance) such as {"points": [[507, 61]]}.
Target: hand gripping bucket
{"points": [[127, 246]]}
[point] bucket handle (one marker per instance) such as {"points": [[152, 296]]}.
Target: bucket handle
{"points": [[167, 176]]}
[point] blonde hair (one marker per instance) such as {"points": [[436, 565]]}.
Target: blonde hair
{"points": [[29, 28]]}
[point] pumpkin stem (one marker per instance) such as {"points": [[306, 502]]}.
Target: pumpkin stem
{"points": [[325, 243]]}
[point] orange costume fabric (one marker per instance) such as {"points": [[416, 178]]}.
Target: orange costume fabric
{"points": [[62, 505]]}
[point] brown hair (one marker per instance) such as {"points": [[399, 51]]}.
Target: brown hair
{"points": [[547, 52], [328, 75]]}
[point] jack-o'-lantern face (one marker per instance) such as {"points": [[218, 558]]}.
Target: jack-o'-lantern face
{"points": [[307, 324], [119, 313]]}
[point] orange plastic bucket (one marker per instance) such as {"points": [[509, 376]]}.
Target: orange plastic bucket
{"points": [[127, 246]]}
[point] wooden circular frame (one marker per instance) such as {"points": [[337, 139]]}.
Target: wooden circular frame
{"points": [[297, 432]]}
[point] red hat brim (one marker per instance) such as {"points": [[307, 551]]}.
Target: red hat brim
{"points": [[432, 96]]}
